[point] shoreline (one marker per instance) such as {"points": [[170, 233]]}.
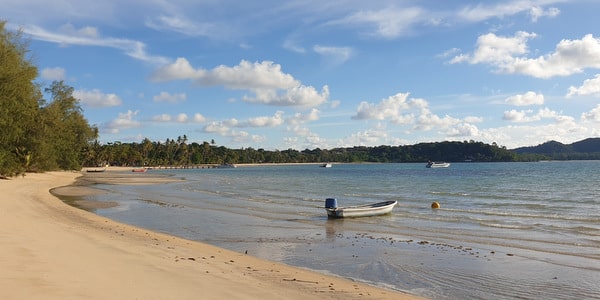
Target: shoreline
{"points": [[54, 250]]}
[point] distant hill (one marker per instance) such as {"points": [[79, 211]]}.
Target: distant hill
{"points": [[584, 149], [587, 145]]}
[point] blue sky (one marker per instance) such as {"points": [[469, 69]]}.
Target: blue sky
{"points": [[323, 74]]}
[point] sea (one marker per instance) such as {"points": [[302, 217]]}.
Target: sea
{"points": [[503, 230]]}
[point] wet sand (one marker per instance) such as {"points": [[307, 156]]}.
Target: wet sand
{"points": [[55, 251]]}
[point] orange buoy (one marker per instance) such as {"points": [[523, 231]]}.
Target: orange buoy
{"points": [[435, 204]]}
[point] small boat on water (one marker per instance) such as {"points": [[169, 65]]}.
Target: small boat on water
{"points": [[367, 210], [139, 170], [437, 164], [327, 165], [95, 170]]}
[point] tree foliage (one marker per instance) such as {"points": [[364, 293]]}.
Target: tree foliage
{"points": [[18, 109], [37, 135], [177, 152]]}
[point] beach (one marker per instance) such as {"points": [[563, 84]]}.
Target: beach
{"points": [[503, 230], [51, 250]]}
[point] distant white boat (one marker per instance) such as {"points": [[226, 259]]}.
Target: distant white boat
{"points": [[327, 165], [437, 164], [367, 210]]}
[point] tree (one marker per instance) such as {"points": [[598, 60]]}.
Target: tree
{"points": [[19, 97], [37, 135], [66, 133]]}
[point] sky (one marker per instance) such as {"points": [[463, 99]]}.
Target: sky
{"points": [[310, 74]]}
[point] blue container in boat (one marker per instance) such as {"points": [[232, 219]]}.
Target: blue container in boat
{"points": [[330, 203]]}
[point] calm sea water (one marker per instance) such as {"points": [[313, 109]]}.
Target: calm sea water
{"points": [[504, 230]]}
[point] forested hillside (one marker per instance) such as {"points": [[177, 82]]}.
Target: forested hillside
{"points": [[553, 150]]}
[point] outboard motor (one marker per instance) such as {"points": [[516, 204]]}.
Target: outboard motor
{"points": [[331, 203]]}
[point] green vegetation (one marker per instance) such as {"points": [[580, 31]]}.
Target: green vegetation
{"points": [[37, 135], [179, 153], [588, 149]]}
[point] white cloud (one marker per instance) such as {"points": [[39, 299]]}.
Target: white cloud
{"points": [[198, 118], [87, 31], [307, 138], [473, 119], [368, 137], [292, 46], [390, 22], [53, 73], [273, 121], [415, 112], [334, 55], [525, 116], [529, 98], [482, 12], [301, 96], [86, 37], [506, 54], [300, 118], [266, 80], [179, 118], [537, 12], [389, 108], [220, 128], [517, 116], [169, 98], [246, 75], [95, 98], [589, 87], [181, 24], [162, 118], [428, 121], [224, 128], [497, 50], [464, 130], [593, 115], [123, 121], [519, 135], [265, 121], [181, 69]]}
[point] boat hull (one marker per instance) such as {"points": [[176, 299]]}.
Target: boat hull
{"points": [[369, 210], [438, 165]]}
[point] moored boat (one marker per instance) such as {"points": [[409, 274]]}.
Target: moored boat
{"points": [[367, 210], [437, 164], [327, 165]]}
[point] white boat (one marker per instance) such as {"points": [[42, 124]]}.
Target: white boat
{"points": [[328, 165], [367, 210], [437, 164]]}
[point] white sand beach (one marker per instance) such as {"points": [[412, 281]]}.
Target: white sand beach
{"points": [[50, 250]]}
